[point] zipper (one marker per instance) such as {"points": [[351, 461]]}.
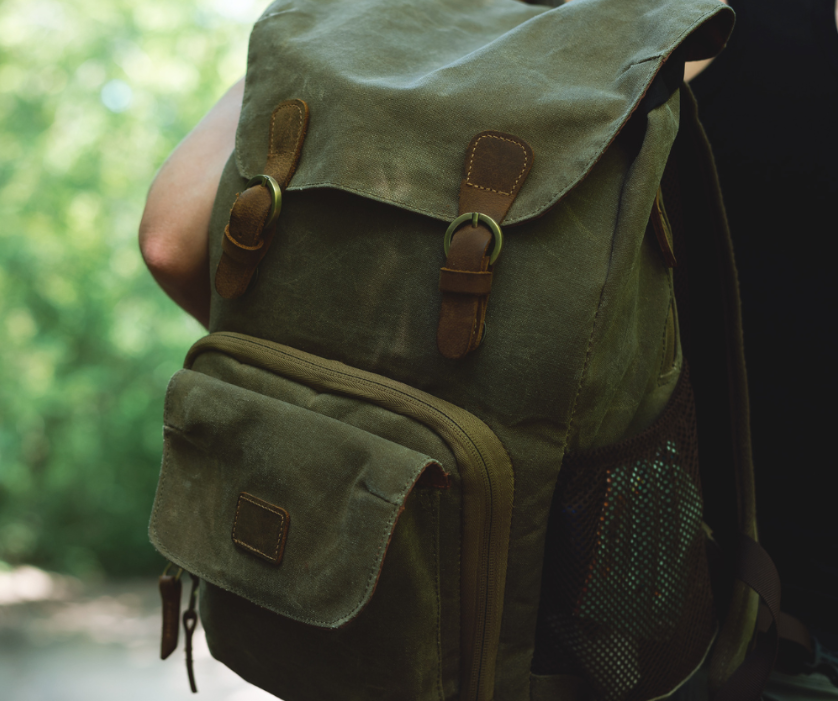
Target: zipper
{"points": [[485, 471]]}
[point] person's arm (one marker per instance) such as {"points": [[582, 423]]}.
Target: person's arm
{"points": [[693, 68], [174, 228]]}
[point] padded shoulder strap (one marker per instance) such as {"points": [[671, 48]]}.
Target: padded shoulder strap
{"points": [[707, 292]]}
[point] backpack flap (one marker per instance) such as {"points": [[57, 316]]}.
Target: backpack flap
{"points": [[286, 507], [397, 92], [581, 309]]}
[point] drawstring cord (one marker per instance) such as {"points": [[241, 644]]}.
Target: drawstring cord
{"points": [[190, 622]]}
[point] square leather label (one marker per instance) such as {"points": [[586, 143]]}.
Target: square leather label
{"points": [[260, 528]]}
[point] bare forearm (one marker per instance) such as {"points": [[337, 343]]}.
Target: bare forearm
{"points": [[175, 224]]}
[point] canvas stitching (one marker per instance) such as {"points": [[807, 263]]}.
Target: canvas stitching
{"points": [[365, 381], [602, 291], [557, 196], [166, 444], [373, 196], [391, 525], [244, 497], [474, 153]]}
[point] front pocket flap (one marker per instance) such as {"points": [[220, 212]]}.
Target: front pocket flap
{"points": [[286, 507]]}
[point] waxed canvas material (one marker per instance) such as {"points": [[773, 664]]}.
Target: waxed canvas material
{"points": [[577, 322], [397, 87], [367, 659], [420, 656], [369, 299], [342, 487]]}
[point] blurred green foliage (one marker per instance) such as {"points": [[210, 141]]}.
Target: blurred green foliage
{"points": [[93, 97]]}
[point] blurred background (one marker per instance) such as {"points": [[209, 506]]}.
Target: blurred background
{"points": [[93, 97]]}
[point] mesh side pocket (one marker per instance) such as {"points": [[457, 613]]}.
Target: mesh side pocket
{"points": [[626, 600]]}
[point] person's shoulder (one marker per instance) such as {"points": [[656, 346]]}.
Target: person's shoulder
{"points": [[693, 68]]}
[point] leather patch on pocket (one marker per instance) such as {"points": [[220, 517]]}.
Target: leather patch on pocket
{"points": [[260, 528]]}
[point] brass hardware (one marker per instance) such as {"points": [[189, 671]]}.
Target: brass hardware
{"points": [[273, 190], [474, 217], [179, 570]]}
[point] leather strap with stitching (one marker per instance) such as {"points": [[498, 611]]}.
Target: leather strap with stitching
{"points": [[246, 238], [496, 167]]}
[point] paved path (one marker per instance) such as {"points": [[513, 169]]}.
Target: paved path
{"points": [[74, 643]]}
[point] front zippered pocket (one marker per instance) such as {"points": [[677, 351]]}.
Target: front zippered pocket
{"points": [[482, 465]]}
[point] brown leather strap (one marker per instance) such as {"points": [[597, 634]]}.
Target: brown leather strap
{"points": [[465, 282], [757, 570], [246, 238], [496, 167], [170, 594]]}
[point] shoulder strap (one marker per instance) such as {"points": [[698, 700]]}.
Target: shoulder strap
{"points": [[707, 292]]}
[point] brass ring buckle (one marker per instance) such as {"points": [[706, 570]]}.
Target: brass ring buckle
{"points": [[494, 227], [273, 190], [170, 565]]}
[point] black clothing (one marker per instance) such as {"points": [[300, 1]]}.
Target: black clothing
{"points": [[769, 104]]}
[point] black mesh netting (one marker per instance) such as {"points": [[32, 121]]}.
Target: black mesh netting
{"points": [[626, 600]]}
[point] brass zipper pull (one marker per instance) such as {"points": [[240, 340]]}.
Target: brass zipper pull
{"points": [[663, 230], [170, 588], [190, 622]]}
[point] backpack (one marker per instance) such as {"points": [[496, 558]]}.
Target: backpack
{"points": [[471, 422]]}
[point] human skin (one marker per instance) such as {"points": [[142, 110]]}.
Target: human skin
{"points": [[693, 68], [174, 230]]}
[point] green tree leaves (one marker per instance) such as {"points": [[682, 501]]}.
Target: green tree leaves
{"points": [[93, 97]]}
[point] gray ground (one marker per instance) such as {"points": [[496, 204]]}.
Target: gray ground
{"points": [[61, 641]]}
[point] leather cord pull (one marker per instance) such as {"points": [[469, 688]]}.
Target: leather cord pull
{"points": [[755, 567], [496, 167], [190, 622], [170, 594], [796, 650], [248, 235]]}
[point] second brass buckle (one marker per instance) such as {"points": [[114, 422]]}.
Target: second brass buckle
{"points": [[273, 190], [476, 217]]}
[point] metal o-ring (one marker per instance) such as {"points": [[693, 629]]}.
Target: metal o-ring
{"points": [[274, 191], [474, 217]]}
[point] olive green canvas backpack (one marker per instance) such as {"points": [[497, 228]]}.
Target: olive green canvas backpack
{"points": [[471, 421]]}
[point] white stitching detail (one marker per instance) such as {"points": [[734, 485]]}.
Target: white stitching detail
{"points": [[272, 151], [281, 513], [474, 153]]}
